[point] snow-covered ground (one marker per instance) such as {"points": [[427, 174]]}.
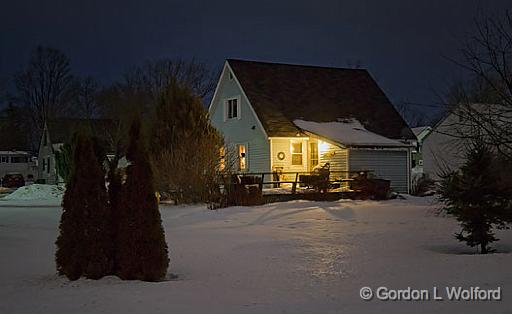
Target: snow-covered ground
{"points": [[295, 257], [34, 195]]}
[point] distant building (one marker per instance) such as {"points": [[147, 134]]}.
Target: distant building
{"points": [[417, 156], [444, 148], [60, 131]]}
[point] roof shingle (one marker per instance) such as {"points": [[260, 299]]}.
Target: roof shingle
{"points": [[282, 93]]}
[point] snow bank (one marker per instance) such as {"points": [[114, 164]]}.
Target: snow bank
{"points": [[349, 132], [37, 192]]}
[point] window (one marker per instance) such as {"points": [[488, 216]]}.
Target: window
{"points": [[297, 154], [19, 159], [222, 158], [313, 150], [242, 157], [4, 159], [44, 164], [48, 165], [232, 108]]}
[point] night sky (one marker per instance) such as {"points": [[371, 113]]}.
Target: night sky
{"points": [[402, 43]]}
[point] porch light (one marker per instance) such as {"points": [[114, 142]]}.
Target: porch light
{"points": [[323, 147]]}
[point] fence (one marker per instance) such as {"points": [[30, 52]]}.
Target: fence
{"points": [[320, 181]]}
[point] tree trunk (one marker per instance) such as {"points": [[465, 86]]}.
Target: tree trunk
{"points": [[483, 248]]}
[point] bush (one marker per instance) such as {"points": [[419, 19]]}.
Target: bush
{"points": [[84, 245], [184, 146], [142, 252], [422, 185]]}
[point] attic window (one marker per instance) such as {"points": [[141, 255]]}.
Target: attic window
{"points": [[230, 75], [232, 108]]}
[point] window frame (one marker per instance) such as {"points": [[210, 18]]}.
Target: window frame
{"points": [[313, 148], [293, 153], [227, 108], [242, 159]]}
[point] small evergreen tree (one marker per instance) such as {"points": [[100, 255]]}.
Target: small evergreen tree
{"points": [[477, 198], [84, 245], [142, 251]]}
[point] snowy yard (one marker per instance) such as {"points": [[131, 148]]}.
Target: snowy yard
{"points": [[295, 257]]}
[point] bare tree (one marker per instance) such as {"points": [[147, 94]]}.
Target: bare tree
{"points": [[155, 76], [411, 115], [44, 88], [86, 100], [484, 104]]}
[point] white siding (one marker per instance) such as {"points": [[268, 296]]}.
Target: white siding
{"points": [[337, 158], [246, 130], [283, 145], [49, 175], [391, 165], [442, 151]]}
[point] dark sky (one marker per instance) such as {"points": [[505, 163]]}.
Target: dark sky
{"points": [[401, 43]]}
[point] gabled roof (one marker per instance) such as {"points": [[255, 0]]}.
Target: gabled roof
{"points": [[62, 130], [282, 93]]}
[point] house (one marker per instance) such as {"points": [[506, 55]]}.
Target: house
{"points": [[58, 132], [445, 146], [417, 158], [18, 162], [292, 118]]}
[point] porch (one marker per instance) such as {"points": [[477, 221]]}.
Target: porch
{"points": [[295, 156]]}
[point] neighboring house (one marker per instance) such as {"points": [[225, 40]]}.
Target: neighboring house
{"points": [[18, 162], [445, 146], [60, 131], [292, 118], [417, 157]]}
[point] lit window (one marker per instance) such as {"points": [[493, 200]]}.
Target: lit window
{"points": [[314, 154], [297, 154], [222, 161], [232, 109], [242, 157]]}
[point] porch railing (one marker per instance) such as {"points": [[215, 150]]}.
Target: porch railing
{"points": [[276, 178]]}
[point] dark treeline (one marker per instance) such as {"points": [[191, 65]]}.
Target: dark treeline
{"points": [[47, 88], [168, 95]]}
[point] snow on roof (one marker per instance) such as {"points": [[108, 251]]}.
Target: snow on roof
{"points": [[349, 133], [13, 152], [421, 129]]}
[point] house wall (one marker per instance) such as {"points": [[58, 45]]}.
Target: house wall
{"points": [[246, 130], [46, 154], [330, 153], [284, 145], [393, 165], [337, 158], [440, 151]]}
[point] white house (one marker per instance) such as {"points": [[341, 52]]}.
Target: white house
{"points": [[295, 117], [444, 148], [56, 133], [417, 157]]}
